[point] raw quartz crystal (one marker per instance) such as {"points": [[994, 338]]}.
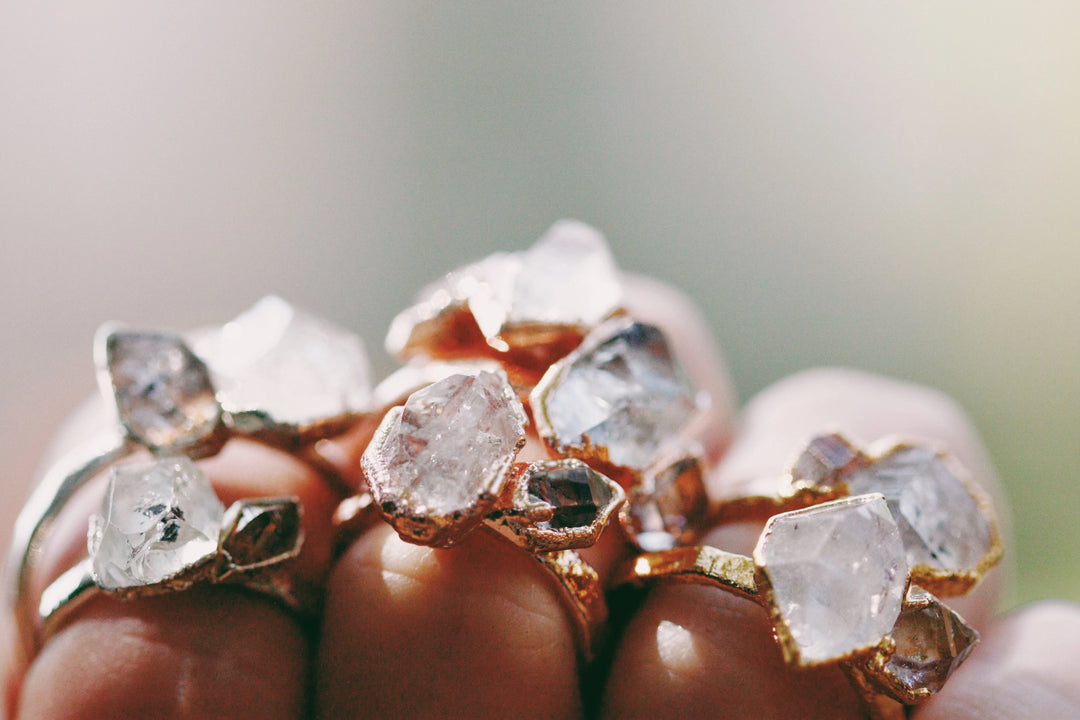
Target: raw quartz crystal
{"points": [[940, 520], [621, 395], [836, 574], [279, 365], [576, 494], [669, 505], [567, 279], [158, 518], [163, 392], [444, 456], [931, 642]]}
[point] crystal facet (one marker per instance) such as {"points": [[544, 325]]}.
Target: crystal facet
{"points": [[567, 277], [621, 395], [443, 457], [669, 505], [543, 299], [262, 530], [163, 392], [824, 458], [158, 518], [940, 521], [931, 642], [836, 574], [575, 493], [276, 364]]}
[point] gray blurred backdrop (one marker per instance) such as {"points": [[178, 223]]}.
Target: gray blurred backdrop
{"points": [[893, 187]]}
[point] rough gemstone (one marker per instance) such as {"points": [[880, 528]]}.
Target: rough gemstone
{"points": [[836, 574], [931, 642], [164, 396], [621, 393], [157, 519], [669, 504], [261, 530], [277, 364], [568, 277], [576, 494], [823, 459], [940, 521], [446, 453]]}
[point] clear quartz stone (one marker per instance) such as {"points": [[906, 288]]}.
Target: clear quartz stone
{"points": [[825, 456], [158, 518], [163, 393], [931, 642], [940, 521], [568, 277], [837, 576], [286, 366], [576, 494], [449, 447], [622, 391]]}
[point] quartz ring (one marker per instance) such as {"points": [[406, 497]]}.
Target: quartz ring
{"points": [[162, 529], [274, 374], [843, 583], [444, 464]]}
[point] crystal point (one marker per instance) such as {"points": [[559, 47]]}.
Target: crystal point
{"points": [[941, 522], [444, 455], [163, 393], [836, 574], [931, 642], [621, 394], [158, 518], [279, 365]]}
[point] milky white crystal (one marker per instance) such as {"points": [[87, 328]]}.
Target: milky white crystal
{"points": [[449, 446], [621, 390], [287, 365], [940, 521], [568, 277], [837, 575], [158, 518]]}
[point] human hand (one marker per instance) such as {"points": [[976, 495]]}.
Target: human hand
{"points": [[479, 631]]}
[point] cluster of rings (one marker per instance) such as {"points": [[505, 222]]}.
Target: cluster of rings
{"points": [[518, 345]]}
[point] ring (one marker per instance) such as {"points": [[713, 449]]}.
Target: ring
{"points": [[950, 529], [163, 529], [274, 374], [848, 581], [539, 335]]}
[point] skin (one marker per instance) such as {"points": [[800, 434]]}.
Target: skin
{"points": [[479, 631]]}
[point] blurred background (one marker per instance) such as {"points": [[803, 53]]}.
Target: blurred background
{"points": [[889, 187]]}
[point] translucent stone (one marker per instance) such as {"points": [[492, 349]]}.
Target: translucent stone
{"points": [[283, 366], [568, 277], [940, 521], [164, 396], [576, 494], [837, 575], [158, 518], [261, 530], [621, 393], [448, 448], [824, 457], [669, 505], [931, 642]]}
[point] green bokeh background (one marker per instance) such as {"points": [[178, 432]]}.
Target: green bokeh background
{"points": [[893, 188]]}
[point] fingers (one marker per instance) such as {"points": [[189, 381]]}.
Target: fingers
{"points": [[1027, 666], [207, 652], [479, 630], [691, 648]]}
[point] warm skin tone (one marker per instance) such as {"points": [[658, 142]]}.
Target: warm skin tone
{"points": [[477, 631]]}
